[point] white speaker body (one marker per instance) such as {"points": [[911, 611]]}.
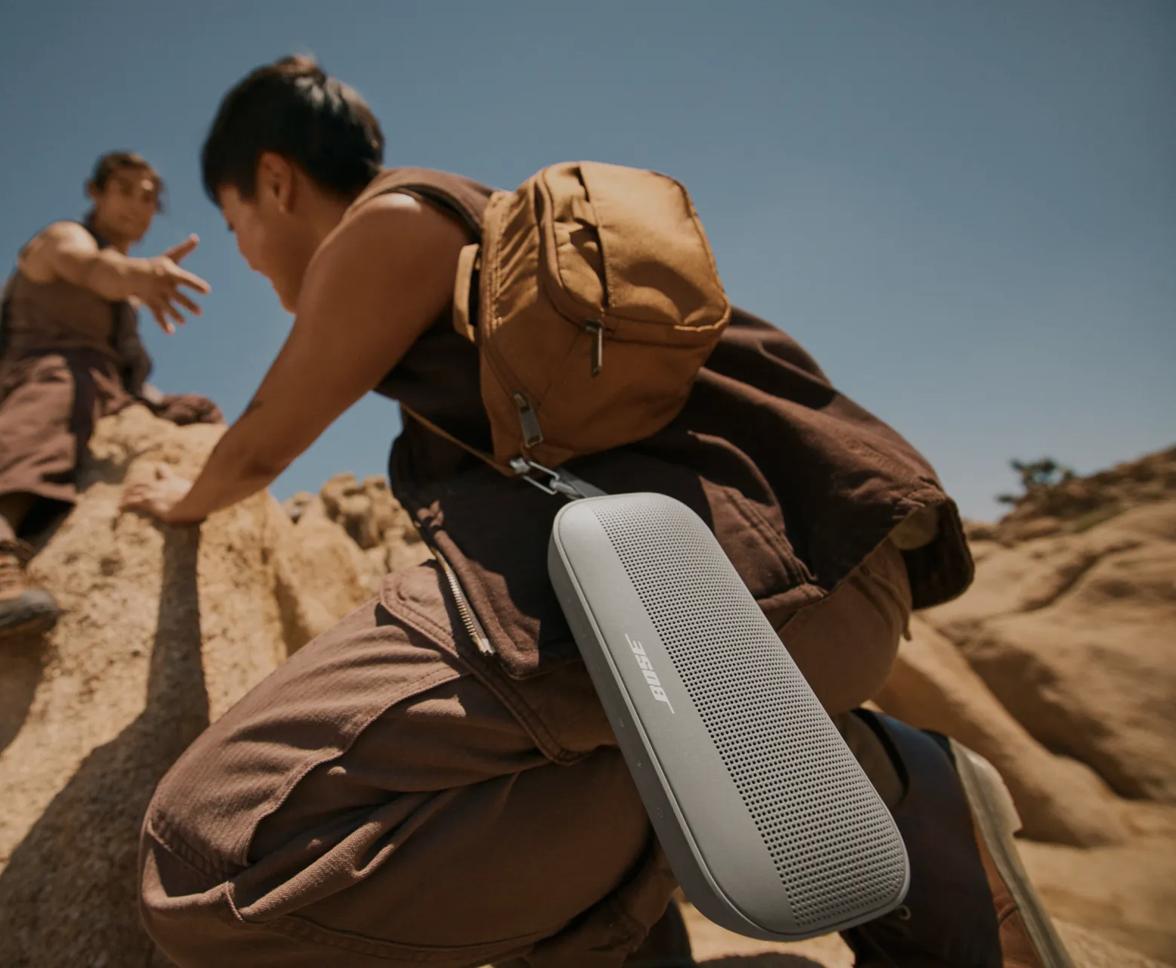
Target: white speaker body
{"points": [[771, 827]]}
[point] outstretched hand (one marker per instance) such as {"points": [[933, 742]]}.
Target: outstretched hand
{"points": [[158, 283], [156, 497]]}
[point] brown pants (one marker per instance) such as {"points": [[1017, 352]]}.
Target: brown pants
{"points": [[388, 797], [49, 403]]}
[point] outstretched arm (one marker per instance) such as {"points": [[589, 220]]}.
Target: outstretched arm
{"points": [[67, 251], [371, 290]]}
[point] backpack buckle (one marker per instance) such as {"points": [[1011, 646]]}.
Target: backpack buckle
{"points": [[561, 482]]}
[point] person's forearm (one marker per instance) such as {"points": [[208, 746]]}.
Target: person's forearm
{"points": [[107, 273], [231, 474]]}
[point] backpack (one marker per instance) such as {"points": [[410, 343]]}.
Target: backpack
{"points": [[593, 299]]}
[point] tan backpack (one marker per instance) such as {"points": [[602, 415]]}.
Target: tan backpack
{"points": [[597, 301]]}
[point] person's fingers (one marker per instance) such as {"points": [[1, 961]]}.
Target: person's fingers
{"points": [[184, 277], [157, 311], [189, 304], [156, 307], [177, 252], [171, 311]]}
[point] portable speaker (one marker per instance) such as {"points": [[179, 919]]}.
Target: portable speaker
{"points": [[770, 825]]}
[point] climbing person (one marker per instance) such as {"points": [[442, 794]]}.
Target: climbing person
{"points": [[70, 353], [433, 781]]}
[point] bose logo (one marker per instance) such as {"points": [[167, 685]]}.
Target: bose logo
{"points": [[646, 666]]}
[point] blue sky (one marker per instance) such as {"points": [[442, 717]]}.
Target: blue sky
{"points": [[966, 211]]}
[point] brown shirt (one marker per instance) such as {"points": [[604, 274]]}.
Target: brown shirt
{"points": [[798, 482], [40, 317], [55, 314]]}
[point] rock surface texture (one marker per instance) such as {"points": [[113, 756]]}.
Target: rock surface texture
{"points": [[1055, 666], [163, 629]]}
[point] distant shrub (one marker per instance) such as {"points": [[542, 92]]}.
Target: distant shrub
{"points": [[1036, 475]]}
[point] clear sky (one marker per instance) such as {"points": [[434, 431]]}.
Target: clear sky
{"points": [[966, 211]]}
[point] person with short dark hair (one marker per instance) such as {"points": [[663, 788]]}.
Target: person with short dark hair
{"points": [[433, 781], [70, 353]]}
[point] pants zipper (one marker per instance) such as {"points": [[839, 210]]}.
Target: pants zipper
{"points": [[469, 620]]}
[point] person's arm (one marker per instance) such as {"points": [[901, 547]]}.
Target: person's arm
{"points": [[65, 250], [370, 291]]}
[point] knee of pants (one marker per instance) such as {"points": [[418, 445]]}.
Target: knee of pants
{"points": [[566, 839], [846, 643]]}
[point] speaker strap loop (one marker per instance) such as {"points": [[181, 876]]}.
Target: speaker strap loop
{"points": [[559, 481]]}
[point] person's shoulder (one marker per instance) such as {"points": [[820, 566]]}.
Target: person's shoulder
{"points": [[63, 230], [397, 248], [34, 257], [390, 221]]}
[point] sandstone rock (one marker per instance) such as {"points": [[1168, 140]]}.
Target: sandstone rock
{"points": [[163, 629], [1059, 799], [300, 503], [1076, 504], [1056, 666], [1073, 635], [716, 947], [369, 513], [1123, 894]]}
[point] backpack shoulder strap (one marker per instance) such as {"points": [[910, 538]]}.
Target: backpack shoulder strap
{"points": [[461, 196]]}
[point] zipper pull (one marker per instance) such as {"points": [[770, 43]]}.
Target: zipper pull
{"points": [[597, 330], [528, 421]]}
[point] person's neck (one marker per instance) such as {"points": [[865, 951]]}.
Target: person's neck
{"points": [[109, 236], [324, 213]]}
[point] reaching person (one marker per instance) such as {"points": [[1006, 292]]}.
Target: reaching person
{"points": [[70, 353], [433, 781]]}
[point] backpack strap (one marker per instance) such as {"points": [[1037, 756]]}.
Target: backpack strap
{"points": [[458, 196], [558, 481], [467, 200], [454, 193]]}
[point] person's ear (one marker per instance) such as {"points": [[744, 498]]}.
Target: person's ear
{"points": [[275, 181], [92, 192]]}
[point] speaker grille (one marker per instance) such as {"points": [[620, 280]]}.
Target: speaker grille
{"points": [[835, 851]]}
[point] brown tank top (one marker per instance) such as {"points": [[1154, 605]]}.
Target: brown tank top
{"points": [[42, 316], [798, 483]]}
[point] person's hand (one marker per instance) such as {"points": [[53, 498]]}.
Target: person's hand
{"points": [[156, 284], [158, 496]]}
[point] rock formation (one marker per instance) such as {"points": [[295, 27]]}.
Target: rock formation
{"points": [[1056, 666], [163, 629], [368, 513]]}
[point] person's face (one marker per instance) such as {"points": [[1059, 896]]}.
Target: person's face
{"points": [[271, 238], [126, 204]]}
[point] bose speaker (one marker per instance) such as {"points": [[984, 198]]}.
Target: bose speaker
{"points": [[770, 825]]}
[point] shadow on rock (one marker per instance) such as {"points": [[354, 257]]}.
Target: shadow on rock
{"points": [[80, 856], [23, 658]]}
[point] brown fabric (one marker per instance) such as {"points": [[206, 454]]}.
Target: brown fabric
{"points": [[799, 483], [67, 358], [49, 403], [390, 797], [873, 607], [41, 315]]}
